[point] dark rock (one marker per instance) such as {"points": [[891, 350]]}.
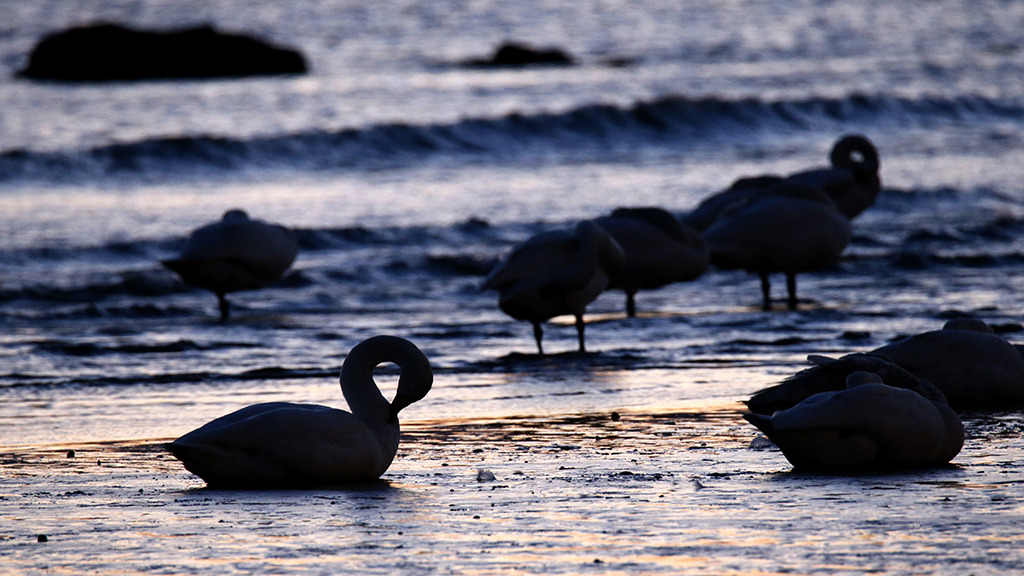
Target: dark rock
{"points": [[107, 52], [518, 55]]}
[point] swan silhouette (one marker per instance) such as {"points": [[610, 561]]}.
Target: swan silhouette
{"points": [[973, 366], [829, 375], [790, 228], [659, 250], [555, 273], [285, 445], [236, 253], [867, 426], [852, 182]]}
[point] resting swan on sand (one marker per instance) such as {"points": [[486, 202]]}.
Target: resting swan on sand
{"points": [[867, 426], [235, 254], [829, 375], [555, 273], [973, 366], [284, 445], [791, 228], [659, 251], [852, 182]]}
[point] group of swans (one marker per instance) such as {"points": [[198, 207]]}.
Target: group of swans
{"points": [[763, 224], [889, 409], [894, 407]]}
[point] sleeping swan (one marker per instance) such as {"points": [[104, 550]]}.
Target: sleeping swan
{"points": [[285, 445], [234, 254], [867, 426], [973, 366]]}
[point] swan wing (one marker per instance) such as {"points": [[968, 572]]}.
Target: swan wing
{"points": [[281, 444]]}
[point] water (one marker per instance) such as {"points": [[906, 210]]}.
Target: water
{"points": [[406, 176]]}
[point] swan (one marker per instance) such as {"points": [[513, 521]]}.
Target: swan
{"points": [[235, 253], [973, 366], [554, 273], [852, 182], [659, 250], [791, 228], [867, 426], [285, 445], [828, 374]]}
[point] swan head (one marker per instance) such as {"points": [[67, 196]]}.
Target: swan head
{"points": [[855, 152], [235, 215], [861, 378], [414, 380]]}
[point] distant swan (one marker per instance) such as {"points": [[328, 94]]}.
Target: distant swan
{"points": [[852, 182], [659, 250], [829, 375], [867, 426], [284, 445], [555, 273], [234, 254], [973, 366], [790, 229]]}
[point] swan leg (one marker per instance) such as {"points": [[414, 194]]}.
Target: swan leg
{"points": [[538, 333], [579, 331], [791, 289], [766, 292], [225, 311], [630, 305]]}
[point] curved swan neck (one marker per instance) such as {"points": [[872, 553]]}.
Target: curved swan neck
{"points": [[361, 391], [842, 154]]}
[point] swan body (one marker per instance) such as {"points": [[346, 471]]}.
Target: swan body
{"points": [[830, 375], [555, 273], [659, 250], [867, 426], [974, 367], [285, 445], [852, 182], [791, 228], [233, 254]]}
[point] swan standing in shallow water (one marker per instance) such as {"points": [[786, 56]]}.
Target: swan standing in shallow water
{"points": [[867, 426], [791, 228], [285, 445], [852, 182], [235, 254], [973, 366], [659, 251], [555, 273]]}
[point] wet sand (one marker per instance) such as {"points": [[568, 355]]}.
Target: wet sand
{"points": [[671, 493]]}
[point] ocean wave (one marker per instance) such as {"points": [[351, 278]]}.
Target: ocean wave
{"points": [[669, 121]]}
